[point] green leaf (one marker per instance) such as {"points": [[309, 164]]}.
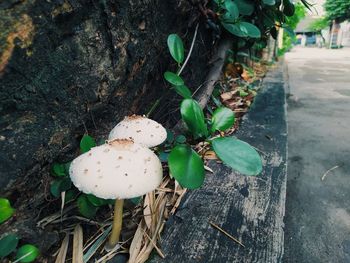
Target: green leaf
{"points": [[6, 211], [219, 2], [288, 8], [8, 244], [242, 93], [233, 29], [58, 170], [232, 10], [136, 200], [173, 79], [176, 48], [27, 253], [193, 116], [180, 139], [245, 7], [269, 2], [60, 185], [186, 166], [96, 201], [223, 118], [249, 30], [170, 136], [85, 207], [238, 154], [163, 157], [66, 167], [86, 143], [289, 31], [70, 195], [183, 91]]}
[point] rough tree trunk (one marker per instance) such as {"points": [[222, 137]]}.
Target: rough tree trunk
{"points": [[71, 66]]}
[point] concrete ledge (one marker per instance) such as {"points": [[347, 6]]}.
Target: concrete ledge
{"points": [[249, 208]]}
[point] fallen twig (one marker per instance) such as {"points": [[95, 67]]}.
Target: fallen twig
{"points": [[327, 172], [227, 234]]}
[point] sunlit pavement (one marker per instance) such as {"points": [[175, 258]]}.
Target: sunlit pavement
{"points": [[317, 222]]}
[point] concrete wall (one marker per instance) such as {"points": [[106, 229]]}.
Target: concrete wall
{"points": [[344, 39]]}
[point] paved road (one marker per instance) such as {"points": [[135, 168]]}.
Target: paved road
{"points": [[317, 222]]}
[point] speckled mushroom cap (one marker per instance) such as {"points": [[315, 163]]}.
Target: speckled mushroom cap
{"points": [[141, 130], [120, 169]]}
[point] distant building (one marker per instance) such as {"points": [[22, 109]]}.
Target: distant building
{"points": [[305, 36]]}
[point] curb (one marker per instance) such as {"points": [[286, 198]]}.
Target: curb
{"points": [[249, 208]]}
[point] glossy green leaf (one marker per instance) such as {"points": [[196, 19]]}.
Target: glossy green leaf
{"points": [[86, 208], [183, 91], [176, 48], [193, 116], [242, 93], [269, 2], [232, 10], [288, 8], [289, 31], [58, 170], [70, 195], [170, 136], [66, 167], [173, 79], [8, 244], [219, 2], [249, 30], [96, 201], [55, 188], [27, 253], [233, 29], [223, 118], [136, 200], [186, 166], [245, 7], [238, 154], [6, 211], [86, 143], [163, 157], [180, 139], [60, 185]]}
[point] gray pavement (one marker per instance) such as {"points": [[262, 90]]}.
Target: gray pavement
{"points": [[317, 221]]}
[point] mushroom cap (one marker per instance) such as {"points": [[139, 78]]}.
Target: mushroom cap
{"points": [[120, 169], [141, 130]]}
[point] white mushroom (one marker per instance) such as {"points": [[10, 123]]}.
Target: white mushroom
{"points": [[118, 170], [141, 130]]}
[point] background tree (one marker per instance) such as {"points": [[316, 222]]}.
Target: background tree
{"points": [[337, 10], [292, 22]]}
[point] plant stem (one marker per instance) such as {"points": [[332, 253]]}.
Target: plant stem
{"points": [[189, 53], [117, 223]]}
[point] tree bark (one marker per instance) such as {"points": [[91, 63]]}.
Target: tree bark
{"points": [[69, 67]]}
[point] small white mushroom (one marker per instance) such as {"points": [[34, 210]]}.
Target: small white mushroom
{"points": [[117, 170], [141, 130]]}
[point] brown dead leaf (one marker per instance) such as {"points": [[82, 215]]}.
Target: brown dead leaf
{"points": [[245, 75], [61, 257], [210, 155], [136, 243], [78, 244], [226, 96], [148, 210]]}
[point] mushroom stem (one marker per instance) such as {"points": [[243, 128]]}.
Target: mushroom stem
{"points": [[117, 223]]}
